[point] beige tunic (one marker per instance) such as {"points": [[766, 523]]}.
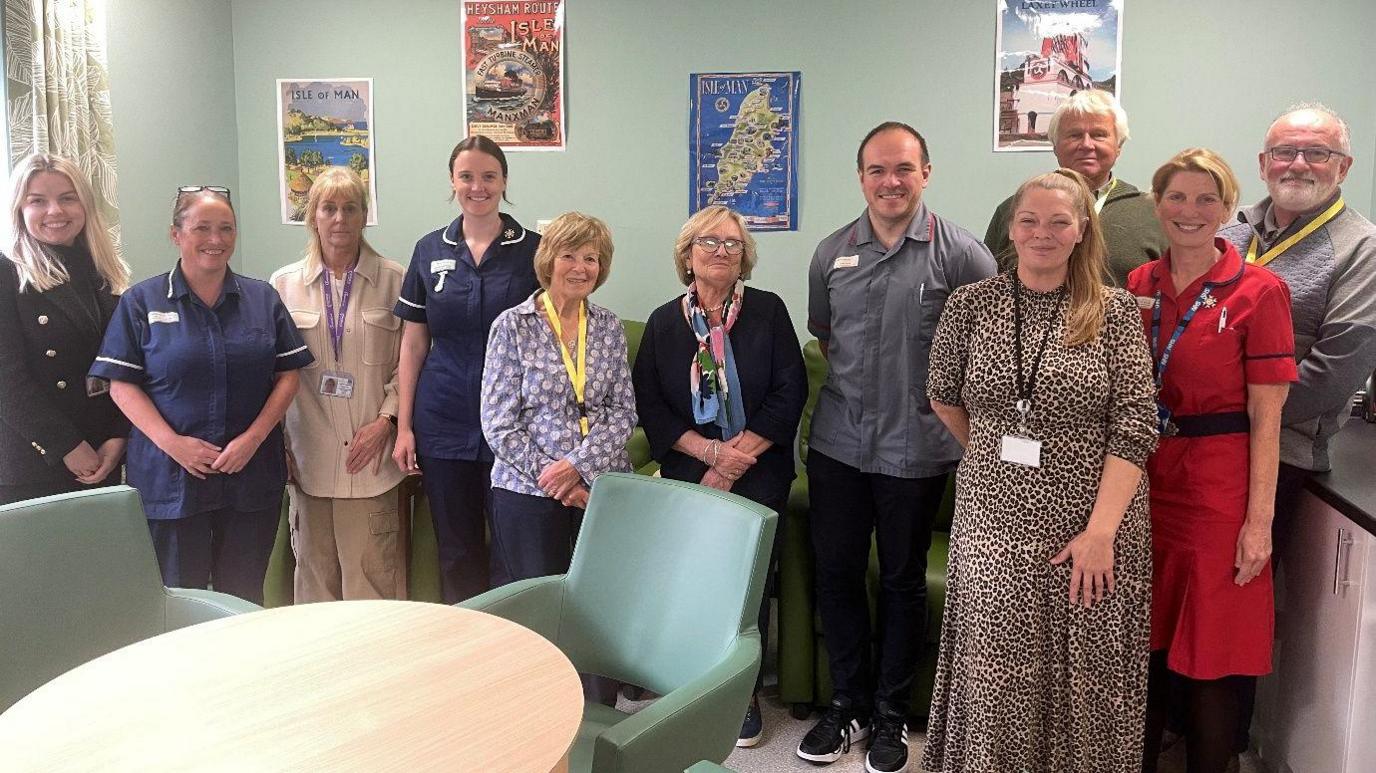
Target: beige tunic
{"points": [[318, 427]]}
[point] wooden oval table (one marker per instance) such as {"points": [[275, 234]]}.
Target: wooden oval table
{"points": [[341, 686]]}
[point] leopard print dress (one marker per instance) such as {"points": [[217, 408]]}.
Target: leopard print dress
{"points": [[1026, 682]]}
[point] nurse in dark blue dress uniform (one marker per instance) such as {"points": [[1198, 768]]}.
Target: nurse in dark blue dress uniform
{"points": [[203, 362], [460, 278]]}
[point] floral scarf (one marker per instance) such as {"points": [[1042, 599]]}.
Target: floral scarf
{"points": [[712, 373]]}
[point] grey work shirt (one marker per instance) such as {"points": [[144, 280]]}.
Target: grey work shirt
{"points": [[877, 309]]}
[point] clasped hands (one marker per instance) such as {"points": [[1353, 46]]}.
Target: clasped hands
{"points": [[562, 481], [728, 465], [201, 458]]}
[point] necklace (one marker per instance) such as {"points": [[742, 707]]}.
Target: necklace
{"points": [[714, 309]]}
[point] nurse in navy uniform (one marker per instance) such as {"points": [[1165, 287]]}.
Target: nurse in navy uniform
{"points": [[460, 278], [59, 282], [204, 363]]}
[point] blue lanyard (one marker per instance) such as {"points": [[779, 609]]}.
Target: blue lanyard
{"points": [[1163, 414], [336, 324]]}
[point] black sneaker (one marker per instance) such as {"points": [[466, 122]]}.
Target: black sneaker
{"points": [[832, 736], [889, 746], [753, 726]]}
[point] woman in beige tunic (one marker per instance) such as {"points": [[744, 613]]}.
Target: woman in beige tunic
{"points": [[1044, 375], [340, 429]]}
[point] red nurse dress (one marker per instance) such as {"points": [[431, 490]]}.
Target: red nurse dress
{"points": [[1241, 335]]}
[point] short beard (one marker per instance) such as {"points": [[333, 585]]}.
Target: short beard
{"points": [[1299, 199]]}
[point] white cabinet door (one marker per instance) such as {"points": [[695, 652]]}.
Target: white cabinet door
{"points": [[1309, 697]]}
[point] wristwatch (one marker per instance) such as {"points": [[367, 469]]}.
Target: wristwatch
{"points": [[388, 417]]}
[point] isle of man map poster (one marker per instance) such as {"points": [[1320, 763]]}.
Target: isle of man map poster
{"points": [[513, 73], [743, 145], [1045, 51]]}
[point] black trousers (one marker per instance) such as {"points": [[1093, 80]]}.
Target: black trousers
{"points": [[18, 492], [1290, 481], [532, 536], [459, 493], [225, 549], [847, 506]]}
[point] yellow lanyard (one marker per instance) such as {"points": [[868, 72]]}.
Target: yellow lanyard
{"points": [[1099, 202], [1314, 225], [578, 375]]}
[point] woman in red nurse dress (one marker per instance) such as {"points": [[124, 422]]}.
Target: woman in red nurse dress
{"points": [[1223, 348]]}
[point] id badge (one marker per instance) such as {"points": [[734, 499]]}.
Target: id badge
{"points": [[334, 383], [96, 386], [1021, 450]]}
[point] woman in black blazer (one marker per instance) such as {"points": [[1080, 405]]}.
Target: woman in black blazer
{"points": [[719, 379], [59, 283]]}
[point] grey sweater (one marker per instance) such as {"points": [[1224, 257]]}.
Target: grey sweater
{"points": [[1332, 279]]}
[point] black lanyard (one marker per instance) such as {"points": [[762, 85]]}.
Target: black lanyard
{"points": [[1026, 386]]}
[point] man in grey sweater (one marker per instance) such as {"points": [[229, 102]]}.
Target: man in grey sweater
{"points": [[1326, 252]]}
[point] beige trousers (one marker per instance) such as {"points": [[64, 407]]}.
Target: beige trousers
{"points": [[346, 548]]}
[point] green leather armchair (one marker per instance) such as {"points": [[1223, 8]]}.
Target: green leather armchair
{"points": [[78, 579], [804, 680], [662, 592]]}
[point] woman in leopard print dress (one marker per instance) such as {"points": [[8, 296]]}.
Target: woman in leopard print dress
{"points": [[1043, 660]]}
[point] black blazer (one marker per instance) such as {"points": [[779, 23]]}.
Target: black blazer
{"points": [[47, 343], [773, 385]]}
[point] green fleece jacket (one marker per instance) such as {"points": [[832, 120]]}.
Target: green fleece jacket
{"points": [[1128, 220]]}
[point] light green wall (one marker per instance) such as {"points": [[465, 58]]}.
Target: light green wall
{"points": [[172, 89], [1195, 74]]}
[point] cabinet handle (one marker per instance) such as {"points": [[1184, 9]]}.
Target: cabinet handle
{"points": [[1340, 563]]}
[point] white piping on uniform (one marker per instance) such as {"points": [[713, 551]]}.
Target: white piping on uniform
{"points": [[114, 361], [300, 348]]}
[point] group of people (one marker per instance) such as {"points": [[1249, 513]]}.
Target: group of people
{"points": [[1122, 456]]}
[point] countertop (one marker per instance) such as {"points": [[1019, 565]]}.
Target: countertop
{"points": [[1350, 487]]}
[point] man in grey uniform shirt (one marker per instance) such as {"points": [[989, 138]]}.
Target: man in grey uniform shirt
{"points": [[878, 457], [1304, 232]]}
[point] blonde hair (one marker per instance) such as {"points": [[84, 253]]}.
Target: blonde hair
{"points": [[706, 219], [570, 231], [336, 179], [1088, 266], [39, 266], [1198, 160]]}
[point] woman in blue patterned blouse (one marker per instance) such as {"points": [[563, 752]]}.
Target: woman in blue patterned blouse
{"points": [[557, 402]]}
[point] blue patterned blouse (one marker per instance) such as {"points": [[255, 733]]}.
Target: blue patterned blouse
{"points": [[529, 415]]}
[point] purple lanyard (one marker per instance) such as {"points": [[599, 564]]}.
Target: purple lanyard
{"points": [[336, 324]]}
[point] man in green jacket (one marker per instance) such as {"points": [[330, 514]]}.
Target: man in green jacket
{"points": [[1087, 132]]}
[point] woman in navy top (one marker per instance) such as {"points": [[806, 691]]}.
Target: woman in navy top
{"points": [[59, 285], [719, 379], [203, 362], [460, 278]]}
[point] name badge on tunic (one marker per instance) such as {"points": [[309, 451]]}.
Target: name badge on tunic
{"points": [[1145, 301], [846, 261], [1021, 450], [448, 264], [163, 316], [337, 383]]}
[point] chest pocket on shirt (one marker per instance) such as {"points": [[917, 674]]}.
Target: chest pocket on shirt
{"points": [[308, 322], [381, 336], [930, 301]]}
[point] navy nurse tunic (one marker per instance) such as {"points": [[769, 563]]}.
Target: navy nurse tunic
{"points": [[209, 372], [459, 299]]}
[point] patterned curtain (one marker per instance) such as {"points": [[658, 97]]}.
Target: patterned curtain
{"points": [[57, 86]]}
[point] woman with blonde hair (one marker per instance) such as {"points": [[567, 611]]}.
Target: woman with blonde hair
{"points": [[344, 512], [1223, 344], [1043, 375], [60, 280]]}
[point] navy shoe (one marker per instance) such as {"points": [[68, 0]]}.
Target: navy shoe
{"points": [[753, 726]]}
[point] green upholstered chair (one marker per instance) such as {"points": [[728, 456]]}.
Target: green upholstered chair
{"points": [[662, 592], [707, 767], [804, 679], [78, 579]]}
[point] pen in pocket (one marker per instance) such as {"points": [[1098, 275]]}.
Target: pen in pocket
{"points": [[1222, 319]]}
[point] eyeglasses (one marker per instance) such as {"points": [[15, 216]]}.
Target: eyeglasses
{"points": [[219, 190], [710, 244], [1287, 153]]}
